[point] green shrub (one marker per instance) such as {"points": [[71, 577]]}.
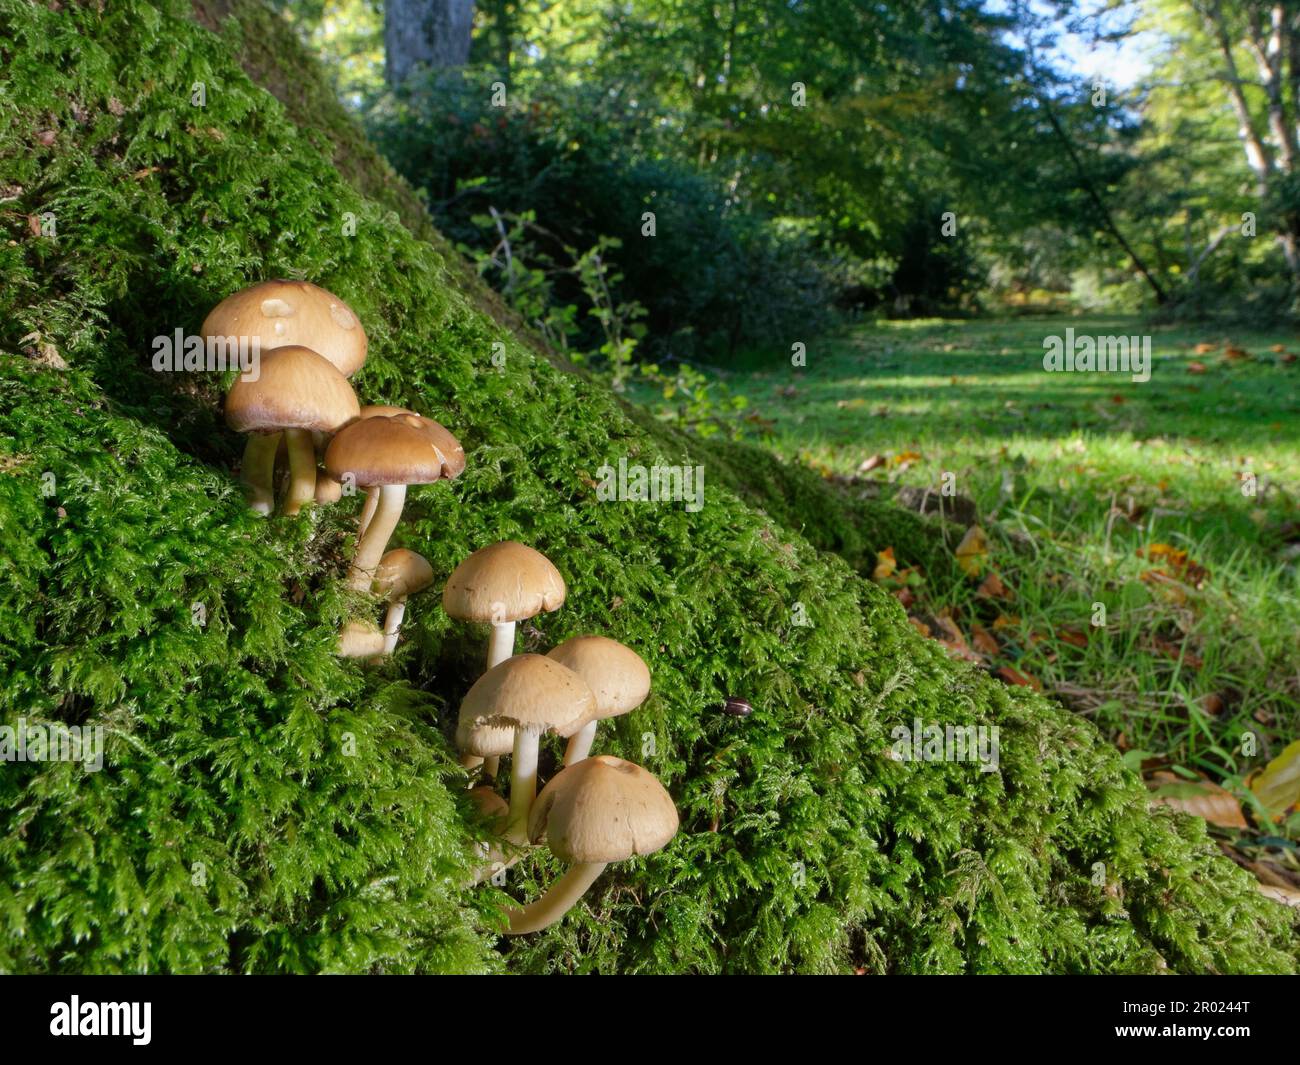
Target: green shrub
{"points": [[715, 276], [265, 807]]}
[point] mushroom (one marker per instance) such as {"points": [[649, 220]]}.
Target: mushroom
{"points": [[597, 811], [388, 454], [297, 391], [531, 695], [400, 573], [614, 673], [443, 440], [493, 810], [484, 745], [276, 314], [502, 584], [360, 639]]}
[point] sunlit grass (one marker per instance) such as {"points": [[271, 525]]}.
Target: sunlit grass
{"points": [[1074, 474]]}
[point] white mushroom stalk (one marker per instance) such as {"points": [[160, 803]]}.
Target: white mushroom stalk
{"points": [[559, 899], [392, 497], [258, 471], [523, 783], [360, 640], [580, 742], [367, 511], [302, 470], [501, 644]]}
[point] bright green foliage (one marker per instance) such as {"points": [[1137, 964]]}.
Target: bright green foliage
{"points": [[321, 799]]}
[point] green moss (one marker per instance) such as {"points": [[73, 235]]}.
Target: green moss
{"points": [[264, 807]]}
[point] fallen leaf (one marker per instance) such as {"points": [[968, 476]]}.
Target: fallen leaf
{"points": [[1286, 896], [1278, 786], [1024, 680], [1278, 349], [1006, 621], [993, 588], [1235, 354], [869, 464], [919, 625], [1176, 651], [1200, 798], [1074, 637], [1196, 367], [984, 640], [885, 564], [1205, 348], [906, 458], [972, 550], [1210, 704], [905, 596]]}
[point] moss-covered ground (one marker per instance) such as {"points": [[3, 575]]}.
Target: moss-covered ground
{"points": [[266, 807]]}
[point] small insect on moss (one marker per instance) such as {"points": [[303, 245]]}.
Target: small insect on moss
{"points": [[734, 706]]}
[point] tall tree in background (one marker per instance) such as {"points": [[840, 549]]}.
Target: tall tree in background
{"points": [[425, 33], [1255, 52]]}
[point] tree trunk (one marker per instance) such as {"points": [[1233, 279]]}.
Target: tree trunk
{"points": [[425, 33]]}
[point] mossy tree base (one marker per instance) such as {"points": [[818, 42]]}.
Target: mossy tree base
{"points": [[264, 806]]}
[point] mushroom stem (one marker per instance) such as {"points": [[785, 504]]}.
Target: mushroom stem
{"points": [[558, 901], [523, 784], [393, 622], [501, 644], [370, 548], [491, 766], [358, 641], [580, 743], [368, 511], [302, 470], [470, 761], [258, 471]]}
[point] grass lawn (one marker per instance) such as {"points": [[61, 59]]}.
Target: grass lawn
{"points": [[1091, 488]]}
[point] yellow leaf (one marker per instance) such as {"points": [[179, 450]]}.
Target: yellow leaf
{"points": [[885, 564], [971, 551], [1278, 787]]}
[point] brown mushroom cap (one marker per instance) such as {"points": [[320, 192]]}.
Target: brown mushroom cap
{"points": [[484, 741], [281, 313], [401, 573], [508, 581], [614, 673], [443, 439], [296, 389], [386, 450], [529, 693], [603, 809]]}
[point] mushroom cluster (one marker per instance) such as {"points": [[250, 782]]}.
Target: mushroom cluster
{"points": [[309, 342], [595, 810]]}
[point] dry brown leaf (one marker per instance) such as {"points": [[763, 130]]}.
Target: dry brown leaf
{"points": [[1006, 621], [993, 588], [972, 551], [1024, 680], [1176, 651], [984, 640], [1286, 896], [885, 564], [1200, 798], [1278, 786], [1205, 348], [869, 464], [1196, 367], [919, 625], [1074, 637]]}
